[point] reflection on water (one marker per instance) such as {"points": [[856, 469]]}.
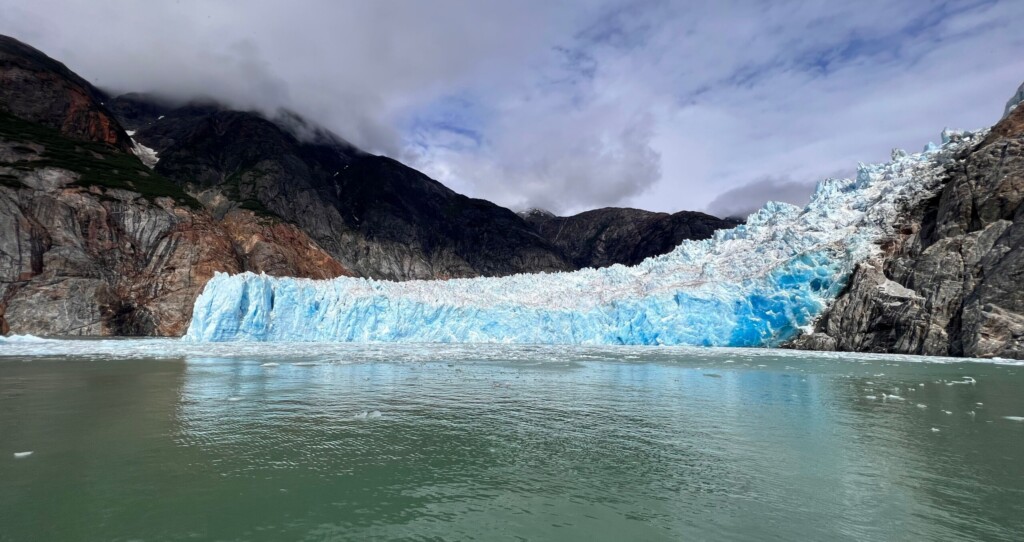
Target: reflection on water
{"points": [[548, 444]]}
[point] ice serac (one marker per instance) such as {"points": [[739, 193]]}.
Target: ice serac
{"points": [[755, 285]]}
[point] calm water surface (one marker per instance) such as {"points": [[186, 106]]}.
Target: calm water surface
{"points": [[155, 440]]}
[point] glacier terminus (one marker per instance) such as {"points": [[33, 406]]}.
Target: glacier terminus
{"points": [[757, 284]]}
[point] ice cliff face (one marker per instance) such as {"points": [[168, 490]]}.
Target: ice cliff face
{"points": [[755, 285]]}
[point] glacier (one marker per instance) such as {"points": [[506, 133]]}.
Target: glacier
{"points": [[756, 285]]}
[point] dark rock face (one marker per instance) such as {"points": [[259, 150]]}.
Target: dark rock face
{"points": [[135, 111], [37, 88], [604, 237], [951, 279], [376, 216]]}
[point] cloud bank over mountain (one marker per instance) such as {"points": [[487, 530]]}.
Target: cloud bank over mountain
{"points": [[661, 105]]}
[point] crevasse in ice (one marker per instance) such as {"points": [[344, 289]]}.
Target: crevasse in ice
{"points": [[755, 285]]}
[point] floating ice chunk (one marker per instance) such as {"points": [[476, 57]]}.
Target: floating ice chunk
{"points": [[270, 364], [948, 412], [19, 455], [234, 398], [919, 405], [935, 429], [1014, 418], [872, 397], [892, 397], [374, 414], [22, 339], [361, 416]]}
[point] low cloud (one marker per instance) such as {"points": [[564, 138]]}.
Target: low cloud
{"points": [[739, 202]]}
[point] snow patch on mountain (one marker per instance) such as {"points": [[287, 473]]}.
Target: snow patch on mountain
{"points": [[146, 155]]}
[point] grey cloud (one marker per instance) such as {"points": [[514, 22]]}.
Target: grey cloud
{"points": [[359, 68], [743, 200]]}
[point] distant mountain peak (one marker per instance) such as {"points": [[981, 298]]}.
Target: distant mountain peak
{"points": [[536, 212]]}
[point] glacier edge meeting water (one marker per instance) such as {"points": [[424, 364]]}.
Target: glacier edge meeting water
{"points": [[755, 285]]}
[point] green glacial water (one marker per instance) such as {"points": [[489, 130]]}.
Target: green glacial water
{"points": [[158, 440]]}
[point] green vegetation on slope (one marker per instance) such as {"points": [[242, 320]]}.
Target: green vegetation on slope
{"points": [[97, 164]]}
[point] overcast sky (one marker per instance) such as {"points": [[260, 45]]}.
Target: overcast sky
{"points": [[715, 106]]}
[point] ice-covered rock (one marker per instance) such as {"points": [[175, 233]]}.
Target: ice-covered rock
{"points": [[754, 285]]}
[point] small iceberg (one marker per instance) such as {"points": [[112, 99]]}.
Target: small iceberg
{"points": [[367, 415]]}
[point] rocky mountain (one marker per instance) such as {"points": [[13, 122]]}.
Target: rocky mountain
{"points": [[92, 242], [376, 216], [608, 236], [950, 280]]}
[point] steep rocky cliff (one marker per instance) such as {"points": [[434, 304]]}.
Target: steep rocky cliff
{"points": [[608, 236], [950, 280], [91, 243]]}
